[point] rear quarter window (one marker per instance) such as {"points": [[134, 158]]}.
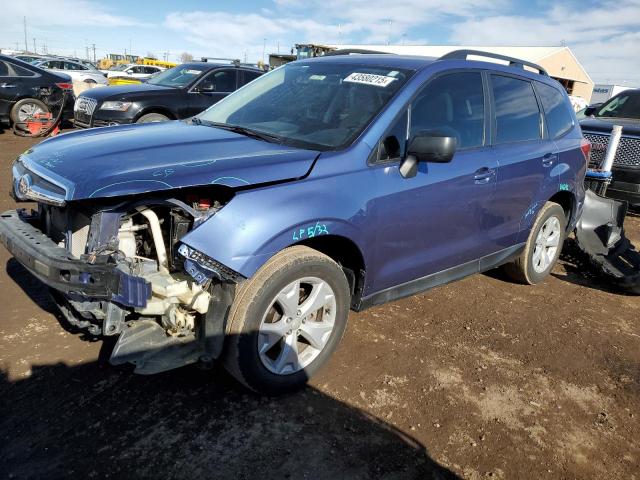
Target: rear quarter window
{"points": [[8, 69], [517, 113], [557, 110]]}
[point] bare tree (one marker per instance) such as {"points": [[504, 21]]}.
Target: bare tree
{"points": [[185, 57]]}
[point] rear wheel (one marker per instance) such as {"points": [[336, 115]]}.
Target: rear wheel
{"points": [[152, 118], [542, 248], [286, 321], [26, 108]]}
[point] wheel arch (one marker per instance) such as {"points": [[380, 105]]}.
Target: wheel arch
{"points": [[346, 253], [567, 201]]}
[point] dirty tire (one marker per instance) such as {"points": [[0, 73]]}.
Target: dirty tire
{"points": [[29, 104], [152, 118], [255, 296], [521, 269]]}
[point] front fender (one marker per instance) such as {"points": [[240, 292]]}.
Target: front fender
{"points": [[256, 224]]}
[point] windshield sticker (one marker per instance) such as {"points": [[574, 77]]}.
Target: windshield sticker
{"points": [[369, 79], [317, 77], [192, 72]]}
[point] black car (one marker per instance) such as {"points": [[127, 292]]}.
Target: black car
{"points": [[26, 90], [179, 92], [623, 110]]}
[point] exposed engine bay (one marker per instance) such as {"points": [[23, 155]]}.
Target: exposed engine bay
{"points": [[164, 296]]}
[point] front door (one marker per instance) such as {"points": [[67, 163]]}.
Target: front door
{"points": [[440, 218], [212, 88]]}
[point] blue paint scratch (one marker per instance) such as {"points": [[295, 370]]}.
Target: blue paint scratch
{"points": [[230, 178], [130, 181]]}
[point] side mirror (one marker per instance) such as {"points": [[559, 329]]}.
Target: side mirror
{"points": [[591, 109], [129, 72], [428, 146]]}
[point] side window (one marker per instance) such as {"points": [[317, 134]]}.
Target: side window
{"points": [[517, 112], [248, 76], [220, 81], [557, 110], [393, 143], [12, 70], [56, 64], [452, 104], [73, 66]]}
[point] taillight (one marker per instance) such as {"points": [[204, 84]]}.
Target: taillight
{"points": [[585, 146], [65, 86]]}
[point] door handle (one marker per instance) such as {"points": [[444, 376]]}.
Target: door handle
{"points": [[484, 175], [7, 85], [549, 159]]}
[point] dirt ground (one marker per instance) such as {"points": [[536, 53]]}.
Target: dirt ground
{"points": [[478, 379]]}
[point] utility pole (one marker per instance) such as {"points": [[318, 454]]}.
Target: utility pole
{"points": [[94, 52], [26, 47], [34, 45]]}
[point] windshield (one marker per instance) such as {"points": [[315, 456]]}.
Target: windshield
{"points": [[321, 105], [625, 105], [178, 77]]}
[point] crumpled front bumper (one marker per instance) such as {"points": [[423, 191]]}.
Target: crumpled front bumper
{"points": [[57, 268]]}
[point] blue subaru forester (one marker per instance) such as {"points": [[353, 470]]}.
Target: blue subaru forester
{"points": [[247, 232]]}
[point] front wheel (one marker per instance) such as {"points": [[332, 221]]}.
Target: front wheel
{"points": [[152, 118], [286, 321], [543, 246]]}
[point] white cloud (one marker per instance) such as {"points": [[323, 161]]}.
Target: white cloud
{"points": [[56, 13], [604, 39]]}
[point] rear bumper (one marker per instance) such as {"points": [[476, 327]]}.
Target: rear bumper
{"points": [[56, 268]]}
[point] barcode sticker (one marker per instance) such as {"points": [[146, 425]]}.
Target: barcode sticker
{"points": [[369, 79]]}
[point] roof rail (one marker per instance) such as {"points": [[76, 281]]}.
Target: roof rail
{"points": [[355, 51], [513, 62], [230, 60]]}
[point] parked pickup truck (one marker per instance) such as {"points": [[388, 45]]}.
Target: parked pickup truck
{"points": [[623, 110], [247, 232]]}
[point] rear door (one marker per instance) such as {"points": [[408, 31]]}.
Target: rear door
{"points": [[246, 76], [15, 82], [526, 158], [440, 218]]}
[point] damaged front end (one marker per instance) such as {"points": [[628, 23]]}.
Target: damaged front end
{"points": [[119, 268]]}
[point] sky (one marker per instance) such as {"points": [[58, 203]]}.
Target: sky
{"points": [[604, 35]]}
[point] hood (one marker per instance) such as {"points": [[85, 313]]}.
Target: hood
{"points": [[630, 126], [120, 91], [134, 159]]}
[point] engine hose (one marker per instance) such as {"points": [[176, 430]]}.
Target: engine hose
{"points": [[20, 128]]}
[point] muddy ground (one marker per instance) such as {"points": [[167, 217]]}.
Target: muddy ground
{"points": [[479, 379]]}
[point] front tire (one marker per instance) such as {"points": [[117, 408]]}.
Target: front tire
{"points": [[543, 246], [152, 118], [286, 321]]}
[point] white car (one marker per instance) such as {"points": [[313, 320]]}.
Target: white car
{"points": [[133, 70], [76, 70]]}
